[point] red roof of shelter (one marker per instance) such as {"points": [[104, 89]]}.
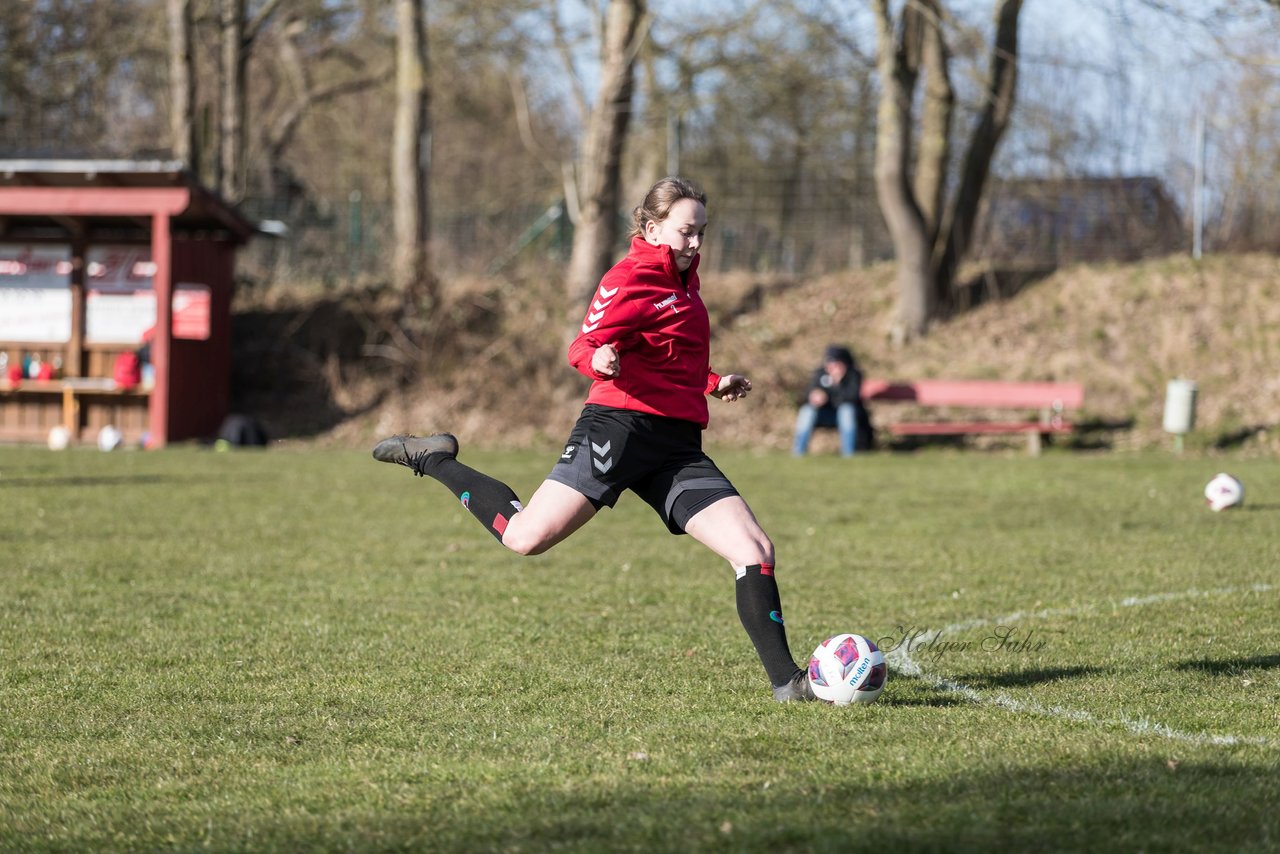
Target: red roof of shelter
{"points": [[112, 193]]}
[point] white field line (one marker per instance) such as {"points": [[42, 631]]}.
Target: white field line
{"points": [[900, 658]]}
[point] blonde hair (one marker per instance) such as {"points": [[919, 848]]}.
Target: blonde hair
{"points": [[659, 200]]}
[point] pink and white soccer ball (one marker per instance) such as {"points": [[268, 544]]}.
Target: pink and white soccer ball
{"points": [[1224, 492], [847, 669]]}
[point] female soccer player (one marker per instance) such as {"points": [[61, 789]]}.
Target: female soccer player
{"points": [[645, 341]]}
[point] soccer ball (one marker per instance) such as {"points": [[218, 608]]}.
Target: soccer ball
{"points": [[109, 438], [59, 438], [847, 669], [1223, 492]]}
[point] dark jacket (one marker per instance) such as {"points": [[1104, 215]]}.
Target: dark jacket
{"points": [[848, 390]]}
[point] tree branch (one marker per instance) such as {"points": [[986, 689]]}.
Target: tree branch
{"points": [[524, 124], [1001, 88], [565, 52], [254, 26]]}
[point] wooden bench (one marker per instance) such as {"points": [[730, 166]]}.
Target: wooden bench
{"points": [[1050, 400], [68, 392]]}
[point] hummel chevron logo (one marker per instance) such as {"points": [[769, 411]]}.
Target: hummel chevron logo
{"points": [[598, 458], [594, 317]]}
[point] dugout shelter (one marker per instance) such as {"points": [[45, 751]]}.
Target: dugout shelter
{"points": [[97, 259]]}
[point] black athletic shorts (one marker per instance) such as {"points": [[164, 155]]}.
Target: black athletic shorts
{"points": [[658, 458]]}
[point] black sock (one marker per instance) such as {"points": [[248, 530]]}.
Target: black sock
{"points": [[491, 501], [760, 609]]}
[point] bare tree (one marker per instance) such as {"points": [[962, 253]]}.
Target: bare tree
{"points": [[303, 90], [410, 157], [599, 166], [1226, 141], [237, 36], [232, 113], [62, 66], [182, 84], [931, 229]]}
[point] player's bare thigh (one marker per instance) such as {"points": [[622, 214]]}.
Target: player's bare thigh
{"points": [[730, 529], [554, 512]]}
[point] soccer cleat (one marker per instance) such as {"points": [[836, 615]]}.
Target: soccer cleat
{"points": [[408, 450], [797, 690]]}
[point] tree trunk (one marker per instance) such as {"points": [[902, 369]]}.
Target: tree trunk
{"points": [[962, 215], [231, 137], [929, 235], [599, 173], [790, 261], [182, 86], [893, 182], [410, 159], [936, 111]]}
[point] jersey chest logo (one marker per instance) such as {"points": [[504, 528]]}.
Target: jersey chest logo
{"points": [[669, 301]]}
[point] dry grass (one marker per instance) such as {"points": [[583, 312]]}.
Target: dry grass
{"points": [[1123, 330]]}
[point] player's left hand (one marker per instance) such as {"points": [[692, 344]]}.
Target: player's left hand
{"points": [[732, 387]]}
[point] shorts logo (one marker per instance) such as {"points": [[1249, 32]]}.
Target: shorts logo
{"points": [[600, 458], [569, 451], [466, 500], [776, 616]]}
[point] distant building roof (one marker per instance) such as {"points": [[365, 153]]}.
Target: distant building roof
{"points": [[1055, 220]]}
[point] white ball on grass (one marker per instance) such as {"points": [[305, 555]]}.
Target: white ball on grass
{"points": [[1223, 492], [109, 438], [847, 668], [59, 438]]}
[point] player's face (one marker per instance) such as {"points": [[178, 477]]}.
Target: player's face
{"points": [[682, 230]]}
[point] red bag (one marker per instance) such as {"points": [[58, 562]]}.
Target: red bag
{"points": [[128, 371]]}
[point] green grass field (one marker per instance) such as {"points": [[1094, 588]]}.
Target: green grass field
{"points": [[304, 650]]}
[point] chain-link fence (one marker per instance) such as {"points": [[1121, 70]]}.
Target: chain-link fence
{"points": [[809, 226], [814, 224], [332, 242]]}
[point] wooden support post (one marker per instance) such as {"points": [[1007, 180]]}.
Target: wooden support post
{"points": [[162, 338]]}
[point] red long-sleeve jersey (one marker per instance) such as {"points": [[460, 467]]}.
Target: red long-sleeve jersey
{"points": [[660, 327]]}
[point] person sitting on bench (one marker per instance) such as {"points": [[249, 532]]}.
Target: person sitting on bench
{"points": [[833, 400]]}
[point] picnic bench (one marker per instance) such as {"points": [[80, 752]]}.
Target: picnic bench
{"points": [[1050, 401]]}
